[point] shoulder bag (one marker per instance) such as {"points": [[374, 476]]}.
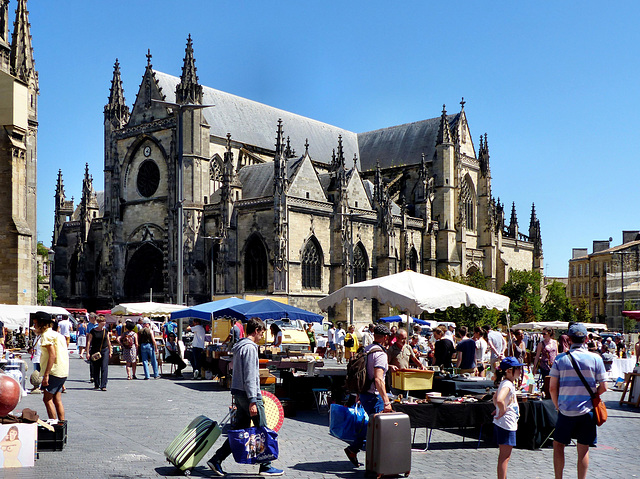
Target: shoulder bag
{"points": [[599, 409], [98, 355]]}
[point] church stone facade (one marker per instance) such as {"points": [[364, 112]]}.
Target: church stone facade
{"points": [[18, 158], [275, 203]]}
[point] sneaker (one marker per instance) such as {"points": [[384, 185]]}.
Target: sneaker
{"points": [[215, 467], [352, 456], [271, 471]]}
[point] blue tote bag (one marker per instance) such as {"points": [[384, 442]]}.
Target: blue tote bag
{"points": [[348, 423], [253, 445]]}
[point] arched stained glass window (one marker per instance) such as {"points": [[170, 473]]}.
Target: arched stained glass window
{"points": [[255, 265], [467, 198], [360, 263], [312, 265]]}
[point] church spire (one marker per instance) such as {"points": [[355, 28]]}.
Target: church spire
{"points": [[116, 110], [535, 236], [444, 132], [513, 222], [189, 90], [280, 162], [21, 59], [483, 157], [60, 195]]}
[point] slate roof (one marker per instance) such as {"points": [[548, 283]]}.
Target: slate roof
{"points": [[255, 124], [400, 145], [257, 180]]}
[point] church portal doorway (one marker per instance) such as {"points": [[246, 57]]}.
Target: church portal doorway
{"points": [[144, 272]]}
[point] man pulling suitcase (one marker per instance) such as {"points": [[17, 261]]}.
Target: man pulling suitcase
{"points": [[245, 388], [374, 399]]}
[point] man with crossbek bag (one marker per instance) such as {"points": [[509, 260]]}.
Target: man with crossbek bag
{"points": [[575, 375]]}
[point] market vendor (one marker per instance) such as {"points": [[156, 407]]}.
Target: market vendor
{"points": [[401, 354]]}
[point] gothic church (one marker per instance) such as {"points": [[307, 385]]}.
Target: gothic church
{"points": [[274, 203], [18, 159]]}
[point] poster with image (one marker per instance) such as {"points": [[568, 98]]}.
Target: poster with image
{"points": [[18, 445]]}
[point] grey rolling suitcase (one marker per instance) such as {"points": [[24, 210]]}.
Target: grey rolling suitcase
{"points": [[389, 444]]}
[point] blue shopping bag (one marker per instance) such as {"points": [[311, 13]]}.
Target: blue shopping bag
{"points": [[348, 423], [253, 445]]}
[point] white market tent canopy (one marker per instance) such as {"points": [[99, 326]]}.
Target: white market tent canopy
{"points": [[13, 316], [414, 293], [539, 325], [148, 308]]}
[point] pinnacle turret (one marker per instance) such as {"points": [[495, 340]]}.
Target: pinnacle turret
{"points": [[444, 132], [483, 156], [116, 110], [189, 90], [513, 222], [21, 59]]}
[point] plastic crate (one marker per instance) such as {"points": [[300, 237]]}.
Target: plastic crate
{"points": [[52, 440], [412, 379]]}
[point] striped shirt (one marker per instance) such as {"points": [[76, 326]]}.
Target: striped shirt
{"points": [[573, 397]]}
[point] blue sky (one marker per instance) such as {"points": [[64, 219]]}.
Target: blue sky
{"points": [[553, 84]]}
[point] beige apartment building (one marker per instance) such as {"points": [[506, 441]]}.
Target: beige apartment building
{"points": [[606, 278]]}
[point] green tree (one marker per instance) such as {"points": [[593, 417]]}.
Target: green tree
{"points": [[582, 314], [523, 289], [630, 324], [43, 296], [556, 305], [468, 316]]}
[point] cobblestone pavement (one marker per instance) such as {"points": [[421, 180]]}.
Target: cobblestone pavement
{"points": [[122, 433]]}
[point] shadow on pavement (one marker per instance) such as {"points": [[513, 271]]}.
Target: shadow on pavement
{"points": [[338, 468], [200, 385]]}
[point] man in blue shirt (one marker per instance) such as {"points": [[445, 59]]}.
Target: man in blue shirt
{"points": [[466, 352], [573, 401]]}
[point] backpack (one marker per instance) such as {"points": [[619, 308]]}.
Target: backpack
{"points": [[127, 340], [357, 380]]}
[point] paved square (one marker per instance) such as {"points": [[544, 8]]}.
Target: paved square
{"points": [[122, 433]]}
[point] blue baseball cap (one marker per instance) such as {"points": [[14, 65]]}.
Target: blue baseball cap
{"points": [[510, 362], [577, 331]]}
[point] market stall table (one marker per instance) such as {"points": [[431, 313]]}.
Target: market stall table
{"points": [[620, 366], [536, 423]]}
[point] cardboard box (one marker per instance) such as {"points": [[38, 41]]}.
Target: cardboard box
{"points": [[412, 379]]}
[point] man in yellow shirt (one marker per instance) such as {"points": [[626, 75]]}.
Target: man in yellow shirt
{"points": [[54, 363]]}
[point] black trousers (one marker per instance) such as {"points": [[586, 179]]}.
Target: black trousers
{"points": [[100, 369]]}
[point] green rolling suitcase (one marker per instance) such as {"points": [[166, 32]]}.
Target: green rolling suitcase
{"points": [[190, 446]]}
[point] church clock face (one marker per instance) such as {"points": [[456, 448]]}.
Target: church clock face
{"points": [[147, 151], [148, 178]]}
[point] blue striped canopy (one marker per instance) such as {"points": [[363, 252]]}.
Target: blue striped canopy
{"points": [[268, 309], [206, 311]]}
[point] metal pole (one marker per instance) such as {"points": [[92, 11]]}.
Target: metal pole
{"points": [[351, 273], [51, 256], [213, 273], [180, 232], [622, 290]]}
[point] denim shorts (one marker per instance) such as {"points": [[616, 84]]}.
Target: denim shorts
{"points": [[504, 437], [55, 384], [581, 428]]}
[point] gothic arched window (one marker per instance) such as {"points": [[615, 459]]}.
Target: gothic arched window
{"points": [[360, 263], [312, 265], [255, 265], [215, 172], [466, 197], [413, 260]]}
